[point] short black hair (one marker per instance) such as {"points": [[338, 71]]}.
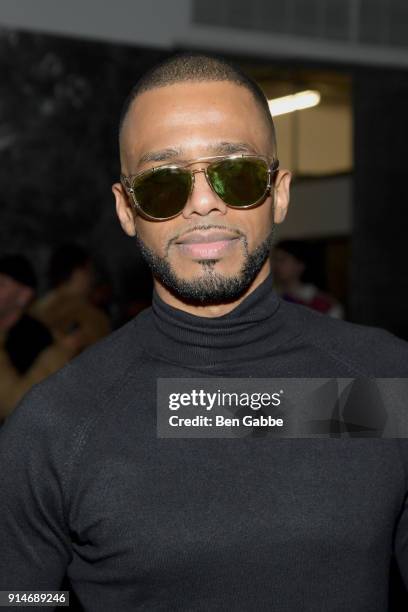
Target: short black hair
{"points": [[184, 67], [64, 261]]}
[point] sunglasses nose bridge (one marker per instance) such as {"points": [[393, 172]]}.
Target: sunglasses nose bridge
{"points": [[201, 201], [198, 171]]}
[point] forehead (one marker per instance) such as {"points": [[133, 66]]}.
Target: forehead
{"points": [[188, 115]]}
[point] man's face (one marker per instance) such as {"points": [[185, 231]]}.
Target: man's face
{"points": [[183, 122]]}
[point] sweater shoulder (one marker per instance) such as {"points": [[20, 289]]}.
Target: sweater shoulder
{"points": [[53, 421], [369, 351]]}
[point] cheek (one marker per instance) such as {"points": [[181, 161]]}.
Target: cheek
{"points": [[258, 221], [152, 234]]}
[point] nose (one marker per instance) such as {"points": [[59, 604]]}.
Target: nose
{"points": [[203, 200]]}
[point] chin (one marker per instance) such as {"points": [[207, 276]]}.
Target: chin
{"points": [[200, 268]]}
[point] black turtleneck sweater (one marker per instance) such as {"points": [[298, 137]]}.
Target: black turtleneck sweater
{"points": [[138, 522]]}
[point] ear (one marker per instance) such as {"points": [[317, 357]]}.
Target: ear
{"points": [[124, 209], [281, 195]]}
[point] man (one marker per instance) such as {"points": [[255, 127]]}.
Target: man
{"points": [[28, 352], [142, 522]]}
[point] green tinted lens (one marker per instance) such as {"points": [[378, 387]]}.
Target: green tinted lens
{"points": [[239, 182], [163, 193]]}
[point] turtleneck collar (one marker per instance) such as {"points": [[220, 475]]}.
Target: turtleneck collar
{"points": [[249, 331]]}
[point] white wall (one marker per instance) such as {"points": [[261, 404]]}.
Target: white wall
{"points": [[167, 23], [151, 23], [318, 208]]}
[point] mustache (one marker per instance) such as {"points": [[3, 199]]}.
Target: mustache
{"points": [[204, 227]]}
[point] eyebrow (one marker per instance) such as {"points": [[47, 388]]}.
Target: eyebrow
{"points": [[229, 148], [162, 155], [218, 148]]}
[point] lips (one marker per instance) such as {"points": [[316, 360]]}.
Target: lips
{"points": [[207, 245], [206, 237]]}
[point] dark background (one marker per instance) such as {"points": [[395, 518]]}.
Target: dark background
{"points": [[60, 105]]}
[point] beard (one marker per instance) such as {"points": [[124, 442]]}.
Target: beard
{"points": [[212, 287]]}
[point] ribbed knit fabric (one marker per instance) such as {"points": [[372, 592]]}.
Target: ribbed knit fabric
{"points": [[208, 342], [143, 523]]}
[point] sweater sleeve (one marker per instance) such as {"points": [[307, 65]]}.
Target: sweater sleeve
{"points": [[34, 539], [14, 385], [401, 530]]}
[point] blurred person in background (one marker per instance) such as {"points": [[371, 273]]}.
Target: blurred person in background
{"points": [[289, 259], [28, 353], [67, 307]]}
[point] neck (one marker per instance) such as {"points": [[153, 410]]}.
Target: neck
{"points": [[211, 310], [177, 336]]}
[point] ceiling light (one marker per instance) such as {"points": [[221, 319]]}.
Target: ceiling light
{"points": [[298, 101]]}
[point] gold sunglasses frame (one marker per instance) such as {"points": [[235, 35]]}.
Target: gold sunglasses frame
{"points": [[128, 182]]}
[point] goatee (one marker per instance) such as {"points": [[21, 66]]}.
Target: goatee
{"points": [[212, 287]]}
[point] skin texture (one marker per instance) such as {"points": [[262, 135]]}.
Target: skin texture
{"points": [[183, 122]]}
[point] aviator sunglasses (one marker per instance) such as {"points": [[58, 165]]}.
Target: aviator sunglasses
{"points": [[241, 181]]}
